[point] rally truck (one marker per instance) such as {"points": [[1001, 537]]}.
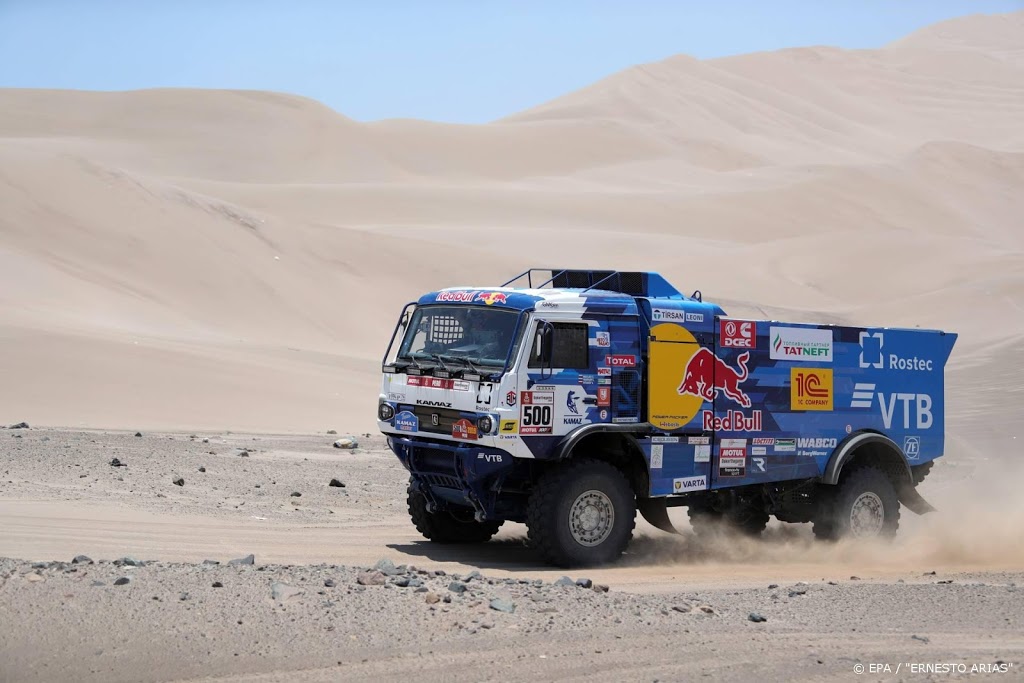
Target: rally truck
{"points": [[569, 400]]}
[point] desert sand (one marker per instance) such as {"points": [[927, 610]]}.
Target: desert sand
{"points": [[230, 264]]}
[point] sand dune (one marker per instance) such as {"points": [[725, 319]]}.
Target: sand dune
{"points": [[213, 259]]}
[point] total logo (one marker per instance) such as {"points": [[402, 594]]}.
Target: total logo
{"points": [[872, 356], [916, 408], [620, 361], [736, 334]]}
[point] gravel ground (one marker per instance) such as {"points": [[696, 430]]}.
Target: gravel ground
{"points": [[389, 606]]}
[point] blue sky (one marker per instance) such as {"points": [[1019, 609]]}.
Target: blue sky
{"points": [[447, 60]]}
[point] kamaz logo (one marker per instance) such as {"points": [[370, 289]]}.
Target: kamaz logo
{"points": [[436, 404], [572, 420], [816, 443]]}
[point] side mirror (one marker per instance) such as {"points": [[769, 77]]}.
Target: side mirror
{"points": [[542, 346]]}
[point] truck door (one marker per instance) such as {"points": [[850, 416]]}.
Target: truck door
{"points": [[677, 402]]}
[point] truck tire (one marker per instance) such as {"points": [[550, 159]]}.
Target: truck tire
{"points": [[444, 527], [581, 513], [747, 519], [863, 505]]}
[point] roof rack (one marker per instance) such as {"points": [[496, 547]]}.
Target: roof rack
{"points": [[632, 283]]}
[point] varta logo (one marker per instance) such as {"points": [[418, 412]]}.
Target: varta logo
{"points": [[436, 404], [816, 443]]}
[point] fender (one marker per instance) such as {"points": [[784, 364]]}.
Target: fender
{"points": [[577, 435], [905, 489]]}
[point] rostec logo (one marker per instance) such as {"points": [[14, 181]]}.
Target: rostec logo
{"points": [[620, 361], [706, 373], [455, 296], [912, 447], [871, 350], [737, 334], [491, 298], [811, 389]]}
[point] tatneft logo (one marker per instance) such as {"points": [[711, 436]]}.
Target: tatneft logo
{"points": [[872, 356], [916, 408], [800, 343]]}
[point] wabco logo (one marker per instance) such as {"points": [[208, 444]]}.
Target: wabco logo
{"points": [[491, 298], [816, 443], [917, 406]]}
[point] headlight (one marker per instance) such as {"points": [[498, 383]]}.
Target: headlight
{"points": [[485, 424], [385, 412]]}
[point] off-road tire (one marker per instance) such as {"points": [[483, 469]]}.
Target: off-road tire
{"points": [[833, 520], [552, 500], [921, 471], [443, 527], [747, 519]]}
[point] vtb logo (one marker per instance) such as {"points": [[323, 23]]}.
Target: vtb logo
{"points": [[810, 389]]}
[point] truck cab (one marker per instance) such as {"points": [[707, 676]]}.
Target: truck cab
{"points": [[503, 401]]}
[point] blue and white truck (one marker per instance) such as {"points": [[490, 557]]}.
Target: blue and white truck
{"points": [[569, 400]]}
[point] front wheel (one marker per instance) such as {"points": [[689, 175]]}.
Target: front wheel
{"points": [[444, 526], [581, 513], [864, 505]]}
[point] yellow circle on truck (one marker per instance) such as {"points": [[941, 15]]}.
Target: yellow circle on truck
{"points": [[671, 348]]}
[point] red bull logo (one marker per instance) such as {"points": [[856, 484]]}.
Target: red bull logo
{"points": [[706, 373], [491, 298]]}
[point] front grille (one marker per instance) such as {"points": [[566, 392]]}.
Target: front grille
{"points": [[446, 419], [443, 481], [437, 466]]}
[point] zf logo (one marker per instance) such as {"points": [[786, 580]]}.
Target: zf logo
{"points": [[871, 350], [912, 447]]}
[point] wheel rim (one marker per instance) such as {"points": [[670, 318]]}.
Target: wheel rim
{"points": [[867, 516], [591, 518]]}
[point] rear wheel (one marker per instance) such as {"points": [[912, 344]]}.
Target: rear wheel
{"points": [[864, 505], [444, 526], [581, 513]]}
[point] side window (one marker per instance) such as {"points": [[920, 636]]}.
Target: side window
{"points": [[565, 344]]}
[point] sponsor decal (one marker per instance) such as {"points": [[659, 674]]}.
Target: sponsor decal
{"points": [[509, 426], [732, 466], [694, 317], [673, 315], [734, 443], [603, 339], [548, 304], [759, 450], [816, 442], [537, 412], [604, 372], [620, 361], [604, 396], [394, 396], [543, 387], [733, 421], [459, 296], [872, 356], [668, 425], [702, 453], [572, 420], [813, 454], [435, 404], [664, 439], [406, 422], [510, 398], [800, 343], [785, 445], [689, 484], [759, 464], [914, 408], [436, 383], [737, 334], [604, 414], [491, 298], [762, 441], [706, 373], [604, 380], [698, 440], [657, 452], [464, 429], [570, 402], [810, 389], [435, 419], [625, 420], [489, 457], [588, 379], [912, 447]]}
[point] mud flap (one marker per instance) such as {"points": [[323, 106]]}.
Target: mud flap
{"points": [[913, 501], [655, 511]]}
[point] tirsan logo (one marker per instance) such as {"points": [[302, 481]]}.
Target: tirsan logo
{"points": [[816, 443], [677, 316], [436, 404], [918, 406], [811, 389], [491, 298]]}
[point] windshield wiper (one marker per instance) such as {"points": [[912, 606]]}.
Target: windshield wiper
{"points": [[440, 359]]}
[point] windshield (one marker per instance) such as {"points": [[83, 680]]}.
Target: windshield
{"points": [[474, 335]]}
